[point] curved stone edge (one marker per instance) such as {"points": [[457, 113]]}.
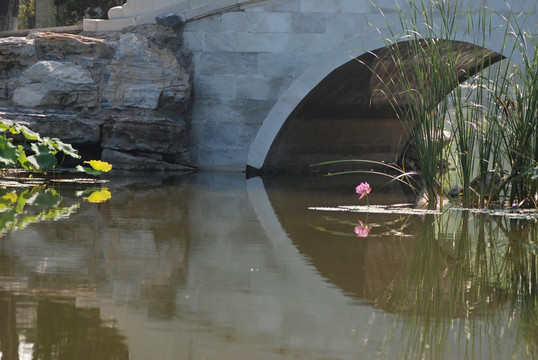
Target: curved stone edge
{"points": [[346, 51]]}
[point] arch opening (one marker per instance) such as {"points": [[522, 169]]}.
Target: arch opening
{"points": [[348, 114]]}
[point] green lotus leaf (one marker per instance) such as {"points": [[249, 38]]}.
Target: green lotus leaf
{"points": [[29, 134], [8, 152], [43, 157], [88, 170]]}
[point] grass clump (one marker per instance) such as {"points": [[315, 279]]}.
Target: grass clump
{"points": [[437, 84]]}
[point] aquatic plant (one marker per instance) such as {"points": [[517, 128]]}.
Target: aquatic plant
{"points": [[493, 120], [23, 148]]}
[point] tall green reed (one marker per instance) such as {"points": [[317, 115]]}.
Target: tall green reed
{"points": [[493, 119], [518, 125]]}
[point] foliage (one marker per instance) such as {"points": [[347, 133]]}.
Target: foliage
{"points": [[26, 13], [71, 12], [493, 120], [23, 148]]}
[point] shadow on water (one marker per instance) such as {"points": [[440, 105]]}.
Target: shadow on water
{"points": [[458, 276], [365, 266], [215, 266]]}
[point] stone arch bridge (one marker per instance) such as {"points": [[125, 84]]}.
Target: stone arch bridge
{"points": [[276, 83]]}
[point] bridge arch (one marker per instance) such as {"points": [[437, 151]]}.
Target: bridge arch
{"points": [[256, 63], [267, 149]]}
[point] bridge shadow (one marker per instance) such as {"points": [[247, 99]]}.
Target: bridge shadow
{"points": [[365, 267], [349, 115]]}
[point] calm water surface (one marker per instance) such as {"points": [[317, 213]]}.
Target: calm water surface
{"points": [[215, 266]]}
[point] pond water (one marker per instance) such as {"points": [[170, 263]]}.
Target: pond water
{"points": [[217, 266]]}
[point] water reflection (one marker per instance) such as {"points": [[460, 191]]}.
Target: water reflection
{"points": [[38, 328], [214, 266]]}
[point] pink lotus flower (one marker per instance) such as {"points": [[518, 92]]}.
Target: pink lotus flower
{"points": [[362, 230], [363, 189]]}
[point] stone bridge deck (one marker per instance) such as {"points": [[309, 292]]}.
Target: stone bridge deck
{"points": [[276, 85]]}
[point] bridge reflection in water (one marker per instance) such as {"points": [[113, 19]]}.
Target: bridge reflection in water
{"points": [[215, 266]]}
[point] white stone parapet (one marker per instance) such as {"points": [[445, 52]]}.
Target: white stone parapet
{"points": [[137, 12]]}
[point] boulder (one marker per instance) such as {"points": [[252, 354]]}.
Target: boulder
{"points": [[51, 45], [147, 134], [67, 126], [124, 161], [170, 19], [163, 79], [16, 54], [56, 83], [126, 92]]}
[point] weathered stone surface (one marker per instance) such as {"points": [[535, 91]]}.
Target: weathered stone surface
{"points": [[16, 54], [67, 126], [50, 45], [124, 161], [125, 87], [89, 92], [170, 19], [164, 136], [56, 83]]}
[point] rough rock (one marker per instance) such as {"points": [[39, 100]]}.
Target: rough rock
{"points": [[68, 126], [149, 135], [50, 45], [126, 94], [16, 54], [170, 19], [125, 161], [163, 75], [56, 83]]}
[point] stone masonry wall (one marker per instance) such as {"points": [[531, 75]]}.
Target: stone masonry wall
{"points": [[124, 97]]}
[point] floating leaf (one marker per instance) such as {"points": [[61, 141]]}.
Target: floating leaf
{"points": [[88, 170], [99, 196]]}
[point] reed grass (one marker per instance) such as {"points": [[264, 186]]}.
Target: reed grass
{"points": [[493, 119]]}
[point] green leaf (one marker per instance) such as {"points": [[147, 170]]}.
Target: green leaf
{"points": [[88, 170], [43, 158], [23, 160], [56, 145], [8, 152], [67, 149], [29, 134]]}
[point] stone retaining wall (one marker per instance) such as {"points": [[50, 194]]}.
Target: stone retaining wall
{"points": [[124, 96]]}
